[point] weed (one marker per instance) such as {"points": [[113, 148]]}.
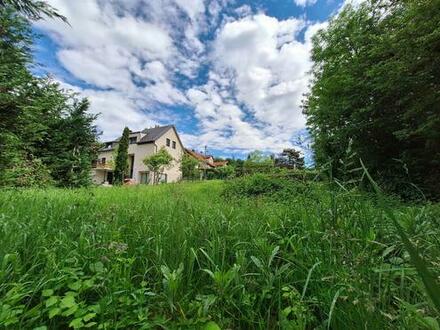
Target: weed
{"points": [[181, 256]]}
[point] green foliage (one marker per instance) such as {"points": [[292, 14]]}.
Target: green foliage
{"points": [[375, 83], [290, 158], [260, 184], [158, 162], [121, 161], [221, 173], [46, 134], [34, 10], [237, 165], [27, 173], [182, 257], [188, 166], [259, 157], [428, 279], [258, 162]]}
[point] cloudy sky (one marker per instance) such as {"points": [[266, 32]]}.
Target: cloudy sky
{"points": [[229, 74]]}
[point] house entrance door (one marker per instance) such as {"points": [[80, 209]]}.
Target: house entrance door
{"points": [[110, 177]]}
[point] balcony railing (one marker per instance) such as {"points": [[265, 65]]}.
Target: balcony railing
{"points": [[98, 164]]}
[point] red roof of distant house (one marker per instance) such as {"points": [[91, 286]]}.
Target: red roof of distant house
{"points": [[205, 158], [220, 163], [197, 155]]}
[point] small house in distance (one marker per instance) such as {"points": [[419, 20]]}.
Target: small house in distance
{"points": [[205, 162], [141, 145]]}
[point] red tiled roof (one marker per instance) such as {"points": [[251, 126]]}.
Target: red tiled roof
{"points": [[197, 155], [220, 163]]}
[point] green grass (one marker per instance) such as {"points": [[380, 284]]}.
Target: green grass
{"points": [[184, 256]]}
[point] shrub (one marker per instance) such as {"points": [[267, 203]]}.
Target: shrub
{"points": [[222, 173], [259, 184], [188, 166]]}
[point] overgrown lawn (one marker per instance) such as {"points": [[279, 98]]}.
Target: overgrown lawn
{"points": [[187, 256]]}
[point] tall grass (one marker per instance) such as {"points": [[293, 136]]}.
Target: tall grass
{"points": [[184, 256]]}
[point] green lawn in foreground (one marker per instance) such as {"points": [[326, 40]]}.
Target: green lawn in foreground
{"points": [[182, 256]]}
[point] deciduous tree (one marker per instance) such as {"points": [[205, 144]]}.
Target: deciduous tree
{"points": [[188, 166], [158, 162], [375, 85]]}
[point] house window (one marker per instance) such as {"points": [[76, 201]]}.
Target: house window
{"points": [[168, 142], [145, 178], [103, 160], [174, 144], [132, 140], [163, 178]]}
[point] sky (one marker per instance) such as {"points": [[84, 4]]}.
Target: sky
{"points": [[229, 74]]}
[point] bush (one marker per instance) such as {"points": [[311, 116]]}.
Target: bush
{"points": [[221, 173], [26, 173], [283, 184]]}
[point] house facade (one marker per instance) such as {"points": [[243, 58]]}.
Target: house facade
{"points": [[141, 145]]}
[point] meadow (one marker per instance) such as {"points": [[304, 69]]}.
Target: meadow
{"points": [[188, 256]]}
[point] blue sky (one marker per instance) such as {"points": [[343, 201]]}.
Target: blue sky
{"points": [[228, 74]]}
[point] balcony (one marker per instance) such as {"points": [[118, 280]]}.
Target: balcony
{"points": [[100, 165]]}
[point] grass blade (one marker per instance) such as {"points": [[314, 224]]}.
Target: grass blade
{"points": [[428, 279]]}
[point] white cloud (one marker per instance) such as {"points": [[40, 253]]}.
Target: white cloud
{"points": [[115, 110], [133, 52], [304, 3], [193, 8], [252, 99], [87, 65], [110, 46]]}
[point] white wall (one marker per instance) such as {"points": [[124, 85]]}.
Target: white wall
{"points": [[140, 151], [174, 173], [98, 176]]}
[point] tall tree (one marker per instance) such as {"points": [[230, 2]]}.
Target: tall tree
{"points": [[41, 126], [73, 145], [375, 91], [290, 158], [121, 162]]}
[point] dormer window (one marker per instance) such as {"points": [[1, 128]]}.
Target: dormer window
{"points": [[132, 140], [168, 142]]}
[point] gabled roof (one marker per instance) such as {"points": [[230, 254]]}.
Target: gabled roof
{"points": [[205, 159], [152, 134], [197, 155]]}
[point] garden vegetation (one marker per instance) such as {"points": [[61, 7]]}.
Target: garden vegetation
{"points": [[375, 94], [249, 255], [47, 135], [274, 245]]}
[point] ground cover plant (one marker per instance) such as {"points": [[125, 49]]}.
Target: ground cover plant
{"points": [[189, 256]]}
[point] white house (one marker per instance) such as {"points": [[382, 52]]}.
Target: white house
{"points": [[142, 144]]}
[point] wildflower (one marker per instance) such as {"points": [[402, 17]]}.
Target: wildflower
{"points": [[118, 247]]}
